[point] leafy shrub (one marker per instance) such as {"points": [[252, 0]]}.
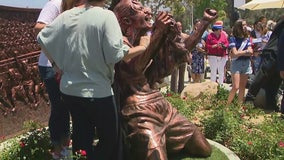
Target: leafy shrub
{"points": [[244, 129], [247, 131], [179, 103], [260, 141], [32, 145]]}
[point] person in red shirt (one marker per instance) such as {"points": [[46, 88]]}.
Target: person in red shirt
{"points": [[216, 45]]}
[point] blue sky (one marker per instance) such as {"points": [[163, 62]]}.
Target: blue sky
{"points": [[24, 3]]}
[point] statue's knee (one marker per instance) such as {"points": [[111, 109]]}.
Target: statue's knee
{"points": [[143, 145], [198, 145], [137, 144], [206, 151]]}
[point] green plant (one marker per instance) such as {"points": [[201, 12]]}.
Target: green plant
{"points": [[32, 145], [260, 141], [179, 103], [247, 131]]}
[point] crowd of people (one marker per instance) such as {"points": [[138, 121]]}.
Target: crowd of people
{"points": [[233, 55]]}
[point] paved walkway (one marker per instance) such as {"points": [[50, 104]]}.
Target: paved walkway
{"points": [[186, 81]]}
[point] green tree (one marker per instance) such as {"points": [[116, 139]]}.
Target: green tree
{"points": [[180, 9], [186, 11], [219, 5]]}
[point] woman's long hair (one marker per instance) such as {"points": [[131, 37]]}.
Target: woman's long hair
{"points": [[238, 29]]}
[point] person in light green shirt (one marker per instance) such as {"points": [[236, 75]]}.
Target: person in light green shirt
{"points": [[84, 43]]}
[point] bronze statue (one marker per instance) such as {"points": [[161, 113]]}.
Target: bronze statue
{"points": [[5, 106], [153, 127]]}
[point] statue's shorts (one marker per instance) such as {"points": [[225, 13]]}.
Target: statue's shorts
{"points": [[154, 127]]}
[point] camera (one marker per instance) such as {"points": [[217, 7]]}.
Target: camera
{"points": [[223, 45]]}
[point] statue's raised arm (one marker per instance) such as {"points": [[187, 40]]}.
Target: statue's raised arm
{"points": [[209, 16]]}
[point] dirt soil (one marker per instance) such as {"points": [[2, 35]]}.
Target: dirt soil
{"points": [[12, 124]]}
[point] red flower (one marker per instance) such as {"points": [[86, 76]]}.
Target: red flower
{"points": [[83, 152], [249, 143], [22, 144], [169, 95], [281, 144], [242, 116]]}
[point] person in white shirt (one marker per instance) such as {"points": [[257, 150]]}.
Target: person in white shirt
{"points": [[59, 120]]}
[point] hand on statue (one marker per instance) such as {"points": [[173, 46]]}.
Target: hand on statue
{"points": [[144, 41]]}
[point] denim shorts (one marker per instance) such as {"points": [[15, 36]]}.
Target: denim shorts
{"points": [[241, 66]]}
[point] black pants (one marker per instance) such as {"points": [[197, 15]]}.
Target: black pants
{"points": [[271, 91], [94, 117]]}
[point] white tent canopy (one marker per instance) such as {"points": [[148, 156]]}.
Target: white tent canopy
{"points": [[263, 4]]}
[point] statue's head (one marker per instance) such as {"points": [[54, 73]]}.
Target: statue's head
{"points": [[134, 18]]}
